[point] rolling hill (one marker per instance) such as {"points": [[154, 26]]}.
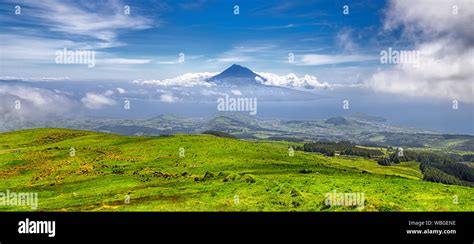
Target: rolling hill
{"points": [[203, 173], [360, 129]]}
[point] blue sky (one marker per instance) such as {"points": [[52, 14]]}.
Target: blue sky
{"points": [[207, 32]]}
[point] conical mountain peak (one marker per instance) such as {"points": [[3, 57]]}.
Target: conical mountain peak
{"points": [[237, 74]]}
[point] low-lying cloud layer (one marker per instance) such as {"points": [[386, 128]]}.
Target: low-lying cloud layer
{"points": [[20, 104], [293, 81], [201, 80], [98, 100], [186, 80]]}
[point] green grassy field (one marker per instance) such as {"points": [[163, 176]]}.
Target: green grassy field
{"points": [[214, 174]]}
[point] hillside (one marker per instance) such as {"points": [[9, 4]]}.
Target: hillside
{"points": [[244, 126], [211, 175]]}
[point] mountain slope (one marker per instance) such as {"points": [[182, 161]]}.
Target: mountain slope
{"points": [[238, 75]]}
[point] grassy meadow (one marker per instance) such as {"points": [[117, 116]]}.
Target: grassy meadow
{"points": [[88, 171]]}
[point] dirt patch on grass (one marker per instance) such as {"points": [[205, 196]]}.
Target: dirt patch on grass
{"points": [[55, 137]]}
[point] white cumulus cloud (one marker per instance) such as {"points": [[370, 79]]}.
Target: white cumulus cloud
{"points": [[292, 81], [121, 90], [21, 105], [97, 100], [168, 98], [445, 42], [236, 92], [186, 80]]}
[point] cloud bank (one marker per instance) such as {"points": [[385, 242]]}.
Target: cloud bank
{"points": [[186, 80], [20, 104], [293, 81], [290, 80]]}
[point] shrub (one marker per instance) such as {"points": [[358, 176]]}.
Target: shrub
{"points": [[249, 178], [436, 175], [219, 134], [295, 193], [231, 177], [384, 161]]}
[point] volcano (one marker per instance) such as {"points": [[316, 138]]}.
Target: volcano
{"points": [[242, 81], [237, 75]]}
